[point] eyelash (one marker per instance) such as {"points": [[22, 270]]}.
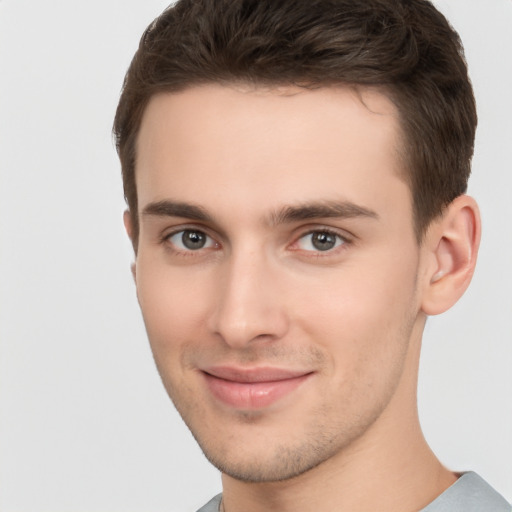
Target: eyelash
{"points": [[341, 240], [166, 240]]}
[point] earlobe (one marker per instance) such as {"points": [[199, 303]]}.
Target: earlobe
{"points": [[452, 245]]}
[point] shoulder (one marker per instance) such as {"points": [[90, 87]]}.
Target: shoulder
{"points": [[470, 493], [213, 505]]}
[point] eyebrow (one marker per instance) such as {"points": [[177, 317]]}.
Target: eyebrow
{"points": [[166, 208], [284, 215], [324, 209]]}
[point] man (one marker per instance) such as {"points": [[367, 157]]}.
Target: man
{"points": [[295, 173]]}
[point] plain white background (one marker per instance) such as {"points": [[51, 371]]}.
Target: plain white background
{"points": [[85, 424]]}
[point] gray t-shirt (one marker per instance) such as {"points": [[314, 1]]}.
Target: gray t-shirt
{"points": [[469, 493]]}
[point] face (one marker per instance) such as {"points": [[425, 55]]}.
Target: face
{"points": [[277, 270]]}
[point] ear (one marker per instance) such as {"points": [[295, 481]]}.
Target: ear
{"points": [[451, 246], [128, 225]]}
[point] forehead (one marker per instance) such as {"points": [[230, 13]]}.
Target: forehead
{"points": [[267, 145]]}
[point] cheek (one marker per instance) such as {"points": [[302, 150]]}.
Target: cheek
{"points": [[364, 320], [172, 306]]}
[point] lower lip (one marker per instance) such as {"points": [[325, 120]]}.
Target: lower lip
{"points": [[252, 395]]}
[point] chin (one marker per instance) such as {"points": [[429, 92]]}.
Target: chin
{"points": [[283, 464], [258, 455]]}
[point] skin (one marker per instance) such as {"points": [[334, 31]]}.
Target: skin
{"points": [[252, 170]]}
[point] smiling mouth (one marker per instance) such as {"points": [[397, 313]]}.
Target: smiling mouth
{"points": [[253, 388]]}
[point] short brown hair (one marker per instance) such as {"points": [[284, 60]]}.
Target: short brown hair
{"points": [[406, 47]]}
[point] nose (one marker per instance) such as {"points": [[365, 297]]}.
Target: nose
{"points": [[250, 305]]}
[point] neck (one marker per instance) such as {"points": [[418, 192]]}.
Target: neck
{"points": [[401, 478], [390, 468]]}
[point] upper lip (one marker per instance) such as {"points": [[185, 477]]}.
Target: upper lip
{"points": [[254, 374]]}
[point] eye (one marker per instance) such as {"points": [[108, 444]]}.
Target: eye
{"points": [[320, 241], [191, 240]]}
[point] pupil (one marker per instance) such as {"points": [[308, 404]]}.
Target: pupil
{"points": [[193, 239], [323, 241]]}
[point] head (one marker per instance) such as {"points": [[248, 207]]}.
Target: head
{"points": [[294, 172], [405, 48]]}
